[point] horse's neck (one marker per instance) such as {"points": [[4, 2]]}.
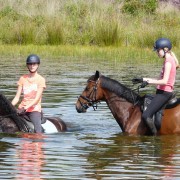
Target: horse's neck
{"points": [[113, 86], [123, 103], [120, 108]]}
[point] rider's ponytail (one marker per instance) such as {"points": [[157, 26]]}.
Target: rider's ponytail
{"points": [[176, 60]]}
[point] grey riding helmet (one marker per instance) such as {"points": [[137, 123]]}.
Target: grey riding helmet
{"points": [[33, 59], [162, 43]]}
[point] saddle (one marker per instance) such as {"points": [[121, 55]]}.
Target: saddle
{"points": [[27, 120], [157, 117]]}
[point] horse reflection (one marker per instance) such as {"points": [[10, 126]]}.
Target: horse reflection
{"points": [[125, 105]]}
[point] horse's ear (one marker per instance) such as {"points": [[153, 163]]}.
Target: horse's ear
{"points": [[97, 74]]}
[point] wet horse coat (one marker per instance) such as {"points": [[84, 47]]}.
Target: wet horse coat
{"points": [[125, 106]]}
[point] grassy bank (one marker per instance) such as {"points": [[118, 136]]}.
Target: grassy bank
{"points": [[77, 22], [110, 53], [93, 29]]}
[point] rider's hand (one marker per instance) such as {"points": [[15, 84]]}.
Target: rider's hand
{"points": [[137, 80], [144, 84], [21, 111]]}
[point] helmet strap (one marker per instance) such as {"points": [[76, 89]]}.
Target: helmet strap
{"points": [[164, 53], [32, 71]]}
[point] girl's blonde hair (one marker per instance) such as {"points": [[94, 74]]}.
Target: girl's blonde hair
{"points": [[174, 56], [176, 60]]}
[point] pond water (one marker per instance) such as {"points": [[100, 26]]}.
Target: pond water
{"points": [[94, 147]]}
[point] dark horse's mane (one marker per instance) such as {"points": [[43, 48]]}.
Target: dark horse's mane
{"points": [[8, 110], [119, 89]]}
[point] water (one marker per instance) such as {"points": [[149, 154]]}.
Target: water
{"points": [[94, 148]]}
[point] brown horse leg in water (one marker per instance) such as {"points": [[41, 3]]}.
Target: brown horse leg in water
{"points": [[170, 122], [134, 125]]}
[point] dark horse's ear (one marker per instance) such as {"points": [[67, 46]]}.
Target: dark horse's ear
{"points": [[97, 74]]}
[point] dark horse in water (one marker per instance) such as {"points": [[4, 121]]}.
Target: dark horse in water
{"points": [[125, 105], [11, 122]]}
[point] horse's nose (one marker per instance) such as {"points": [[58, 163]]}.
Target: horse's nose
{"points": [[80, 110]]}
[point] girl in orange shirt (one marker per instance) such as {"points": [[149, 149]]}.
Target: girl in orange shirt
{"points": [[32, 86]]}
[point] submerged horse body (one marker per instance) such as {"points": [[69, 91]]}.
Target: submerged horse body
{"points": [[10, 122], [125, 105]]}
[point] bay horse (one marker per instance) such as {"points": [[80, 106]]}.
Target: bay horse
{"points": [[125, 105], [11, 122]]}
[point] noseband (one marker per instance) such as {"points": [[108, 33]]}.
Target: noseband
{"points": [[91, 99]]}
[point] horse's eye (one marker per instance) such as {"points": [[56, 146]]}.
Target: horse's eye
{"points": [[86, 88]]}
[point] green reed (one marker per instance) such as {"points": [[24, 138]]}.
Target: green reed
{"points": [[87, 53], [89, 23]]}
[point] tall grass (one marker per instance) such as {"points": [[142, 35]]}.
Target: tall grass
{"points": [[79, 22], [86, 53]]}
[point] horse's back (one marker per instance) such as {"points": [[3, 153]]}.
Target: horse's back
{"points": [[58, 123], [171, 121], [50, 125]]}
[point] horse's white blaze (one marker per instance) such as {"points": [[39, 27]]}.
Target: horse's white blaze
{"points": [[49, 127]]}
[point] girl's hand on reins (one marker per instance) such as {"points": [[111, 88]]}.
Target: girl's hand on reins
{"points": [[137, 80], [144, 84], [140, 80], [21, 111]]}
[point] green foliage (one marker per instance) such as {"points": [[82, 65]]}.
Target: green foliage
{"points": [[9, 12], [23, 34], [76, 10], [77, 15], [54, 32], [136, 7], [106, 34], [39, 20], [99, 23]]}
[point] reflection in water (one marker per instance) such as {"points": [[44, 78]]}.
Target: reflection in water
{"points": [[125, 156], [170, 146], [31, 157]]}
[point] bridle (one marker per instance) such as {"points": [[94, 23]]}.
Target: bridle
{"points": [[91, 98]]}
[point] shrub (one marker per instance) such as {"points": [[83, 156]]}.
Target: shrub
{"points": [[54, 30], [136, 7], [8, 11]]}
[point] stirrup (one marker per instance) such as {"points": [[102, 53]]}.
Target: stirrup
{"points": [[151, 125]]}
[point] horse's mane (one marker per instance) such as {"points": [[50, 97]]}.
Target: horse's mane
{"points": [[119, 89], [8, 110]]}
